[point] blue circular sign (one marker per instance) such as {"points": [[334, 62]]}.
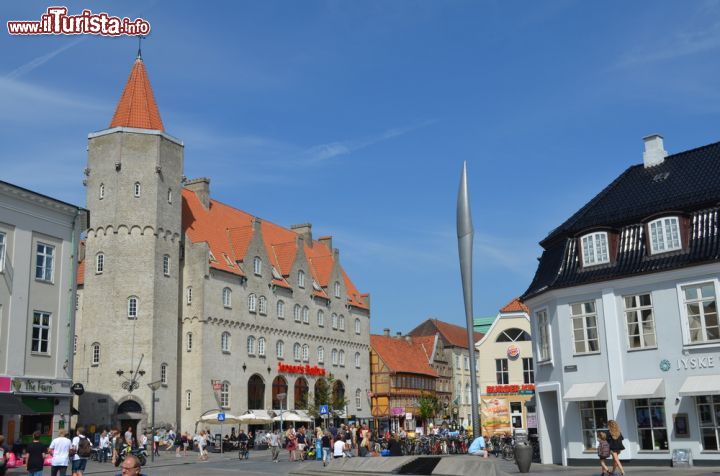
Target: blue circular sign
{"points": [[664, 365]]}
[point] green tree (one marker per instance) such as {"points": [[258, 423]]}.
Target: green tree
{"points": [[325, 395], [428, 407]]}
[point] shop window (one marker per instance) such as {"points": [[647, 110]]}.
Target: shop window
{"points": [[516, 414], [593, 418], [708, 409], [651, 426]]}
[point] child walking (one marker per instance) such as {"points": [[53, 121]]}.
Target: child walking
{"points": [[603, 452]]}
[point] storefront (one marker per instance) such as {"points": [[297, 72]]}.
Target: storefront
{"points": [[506, 408]]}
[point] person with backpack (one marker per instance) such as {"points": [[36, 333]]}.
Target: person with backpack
{"points": [[603, 452], [82, 449]]}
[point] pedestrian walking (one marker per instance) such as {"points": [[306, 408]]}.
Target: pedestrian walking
{"points": [[35, 455], [603, 452], [83, 449], [290, 443], [104, 446], [129, 436], [616, 445], [274, 443], [326, 447]]}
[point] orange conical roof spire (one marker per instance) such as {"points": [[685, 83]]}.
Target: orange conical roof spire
{"points": [[137, 107]]}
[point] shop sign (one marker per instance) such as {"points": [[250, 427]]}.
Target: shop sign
{"points": [[5, 384], [532, 420], [700, 362], [408, 416], [397, 411], [77, 389], [301, 369], [527, 388], [38, 386]]}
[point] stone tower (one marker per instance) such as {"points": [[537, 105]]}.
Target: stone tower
{"points": [[132, 265]]}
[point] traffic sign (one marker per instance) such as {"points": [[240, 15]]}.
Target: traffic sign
{"points": [[324, 410], [221, 417]]}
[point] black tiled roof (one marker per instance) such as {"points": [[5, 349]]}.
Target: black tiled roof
{"points": [[687, 182]]}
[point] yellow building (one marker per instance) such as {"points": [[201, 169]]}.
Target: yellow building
{"points": [[507, 372]]}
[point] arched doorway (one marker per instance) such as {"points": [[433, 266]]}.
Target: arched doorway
{"points": [[338, 392], [256, 393], [322, 396], [301, 393], [129, 414], [279, 385]]}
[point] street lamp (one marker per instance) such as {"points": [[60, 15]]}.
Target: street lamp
{"points": [[154, 386], [281, 397]]}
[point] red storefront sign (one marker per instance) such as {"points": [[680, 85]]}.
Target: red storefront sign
{"points": [[510, 388], [301, 369]]}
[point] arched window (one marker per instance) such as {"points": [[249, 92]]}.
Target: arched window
{"points": [[337, 289], [252, 302], [301, 393], [227, 297], [166, 265], [262, 305], [99, 263], [321, 355], [261, 347], [305, 353], [281, 310], [296, 313], [341, 322], [357, 360], [342, 358], [132, 307], [358, 399], [664, 235], [225, 342], [513, 335], [169, 195], [95, 353], [136, 189], [163, 373], [188, 295], [256, 393], [279, 388], [279, 349], [301, 278], [306, 315], [334, 356], [334, 321], [251, 345], [188, 341], [321, 318], [225, 394], [296, 351], [357, 326], [188, 394], [257, 266], [101, 191]]}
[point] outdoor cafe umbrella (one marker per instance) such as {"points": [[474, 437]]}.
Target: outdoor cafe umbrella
{"points": [[255, 418], [211, 418], [291, 416]]}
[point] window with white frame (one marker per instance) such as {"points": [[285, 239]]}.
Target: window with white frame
{"points": [[334, 321], [188, 395], [163, 373], [279, 349], [700, 309], [341, 322], [169, 195], [708, 410], [543, 335], [2, 251], [301, 278], [101, 191], [296, 312], [664, 235], [513, 335], [320, 355], [593, 418], [252, 302], [225, 342], [358, 399], [306, 353], [227, 297], [595, 248], [251, 345], [306, 315], [528, 370], [225, 394], [44, 262], [132, 307], [40, 332], [136, 189], [357, 360], [296, 351], [337, 289], [261, 347], [334, 356], [99, 263], [189, 341], [188, 295], [95, 354], [640, 321], [341, 358], [166, 265], [584, 322], [466, 361], [651, 426], [281, 309], [357, 326], [257, 266], [262, 305], [502, 374], [468, 393], [321, 318]]}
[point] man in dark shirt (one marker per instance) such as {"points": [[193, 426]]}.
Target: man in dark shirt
{"points": [[35, 455], [394, 446]]}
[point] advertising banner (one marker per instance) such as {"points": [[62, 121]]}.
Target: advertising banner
{"points": [[495, 415]]}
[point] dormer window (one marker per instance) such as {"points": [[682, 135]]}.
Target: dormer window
{"points": [[664, 235], [595, 249]]}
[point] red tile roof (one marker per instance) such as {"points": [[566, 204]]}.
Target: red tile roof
{"points": [[402, 356], [427, 343], [137, 107], [454, 335], [515, 306]]}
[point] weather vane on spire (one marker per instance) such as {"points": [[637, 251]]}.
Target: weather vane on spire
{"points": [[140, 38]]}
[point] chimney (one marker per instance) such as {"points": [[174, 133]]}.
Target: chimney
{"points": [[386, 332], [304, 230], [398, 334], [655, 152], [327, 241], [256, 223], [201, 187], [408, 339]]}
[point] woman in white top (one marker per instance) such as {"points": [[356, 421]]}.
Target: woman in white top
{"points": [[60, 448], [339, 448]]}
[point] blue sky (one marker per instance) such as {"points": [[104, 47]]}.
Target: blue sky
{"points": [[356, 116]]}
